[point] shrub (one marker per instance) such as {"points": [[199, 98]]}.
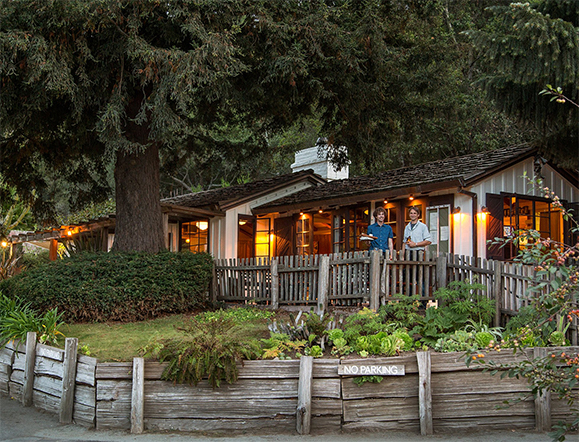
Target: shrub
{"points": [[17, 319], [209, 349], [115, 286]]}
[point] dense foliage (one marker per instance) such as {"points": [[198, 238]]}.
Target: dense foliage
{"points": [[93, 88], [97, 287], [525, 48], [17, 318]]}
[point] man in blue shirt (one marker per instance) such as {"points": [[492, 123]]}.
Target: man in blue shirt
{"points": [[384, 235]]}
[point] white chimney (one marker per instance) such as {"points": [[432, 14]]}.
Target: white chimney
{"points": [[316, 158]]}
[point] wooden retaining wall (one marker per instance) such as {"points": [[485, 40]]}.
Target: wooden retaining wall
{"points": [[437, 393]]}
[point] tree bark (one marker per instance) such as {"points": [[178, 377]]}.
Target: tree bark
{"points": [[139, 222]]}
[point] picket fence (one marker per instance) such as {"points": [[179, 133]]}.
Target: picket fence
{"points": [[433, 392], [368, 279]]}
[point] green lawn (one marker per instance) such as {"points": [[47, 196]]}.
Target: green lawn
{"points": [[115, 341]]}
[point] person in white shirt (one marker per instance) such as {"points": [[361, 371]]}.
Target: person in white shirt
{"points": [[416, 234]]}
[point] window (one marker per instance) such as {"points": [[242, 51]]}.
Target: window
{"points": [[438, 223], [512, 213], [347, 226], [303, 234], [262, 235], [194, 236], [245, 236]]}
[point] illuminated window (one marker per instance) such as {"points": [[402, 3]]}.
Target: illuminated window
{"points": [[303, 235], [194, 236], [262, 236]]}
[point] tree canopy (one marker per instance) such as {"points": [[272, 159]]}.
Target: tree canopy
{"points": [[92, 86], [526, 47]]}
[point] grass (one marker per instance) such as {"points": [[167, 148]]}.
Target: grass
{"points": [[117, 342]]}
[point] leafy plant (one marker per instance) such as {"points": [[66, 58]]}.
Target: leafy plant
{"points": [[17, 318], [361, 380], [209, 349], [281, 346]]}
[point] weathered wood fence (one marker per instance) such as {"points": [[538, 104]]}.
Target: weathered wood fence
{"points": [[363, 278], [436, 393]]}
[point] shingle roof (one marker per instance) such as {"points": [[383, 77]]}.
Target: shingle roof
{"points": [[465, 170], [227, 196]]}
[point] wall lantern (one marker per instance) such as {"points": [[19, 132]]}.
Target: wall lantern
{"points": [[411, 197], [456, 210], [320, 211]]}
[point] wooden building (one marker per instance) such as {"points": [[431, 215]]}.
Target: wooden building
{"points": [[464, 201]]}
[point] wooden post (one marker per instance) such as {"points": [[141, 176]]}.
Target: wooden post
{"points": [[53, 250], [68, 380], [304, 410], [498, 292], [214, 287], [29, 362], [543, 401], [375, 279], [424, 392], [323, 283], [274, 284], [441, 275], [138, 396]]}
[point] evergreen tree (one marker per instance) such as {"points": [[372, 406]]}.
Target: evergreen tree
{"points": [[525, 48]]}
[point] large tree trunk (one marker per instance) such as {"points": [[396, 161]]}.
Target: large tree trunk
{"points": [[139, 222]]}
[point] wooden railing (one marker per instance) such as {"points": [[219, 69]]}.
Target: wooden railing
{"points": [[365, 279]]}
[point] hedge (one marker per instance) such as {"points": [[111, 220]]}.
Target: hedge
{"points": [[98, 287]]}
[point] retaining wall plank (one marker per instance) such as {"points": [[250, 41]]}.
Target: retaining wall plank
{"points": [[242, 389], [493, 424], [48, 366], [389, 409], [49, 352], [475, 382], [391, 386], [184, 407], [281, 424], [326, 388], [480, 405]]}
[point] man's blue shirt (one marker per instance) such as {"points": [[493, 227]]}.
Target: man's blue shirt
{"points": [[382, 232]]}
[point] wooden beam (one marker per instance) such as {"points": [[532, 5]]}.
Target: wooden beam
{"points": [[29, 362], [323, 283], [542, 401], [304, 410], [138, 396], [68, 380], [424, 392]]}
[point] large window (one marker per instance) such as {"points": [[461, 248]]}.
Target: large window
{"points": [[253, 237], [194, 236], [347, 226], [304, 235], [438, 223], [512, 213]]}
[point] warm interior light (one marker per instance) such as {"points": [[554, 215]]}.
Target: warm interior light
{"points": [[69, 232], [301, 212], [385, 200], [320, 211], [4, 243], [202, 225], [187, 240], [242, 222], [411, 198]]}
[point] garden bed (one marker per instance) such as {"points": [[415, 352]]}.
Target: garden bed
{"points": [[437, 393]]}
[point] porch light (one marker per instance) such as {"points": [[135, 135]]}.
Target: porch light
{"points": [[385, 200], [456, 210], [242, 222], [202, 225], [320, 211], [411, 197], [301, 212]]}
